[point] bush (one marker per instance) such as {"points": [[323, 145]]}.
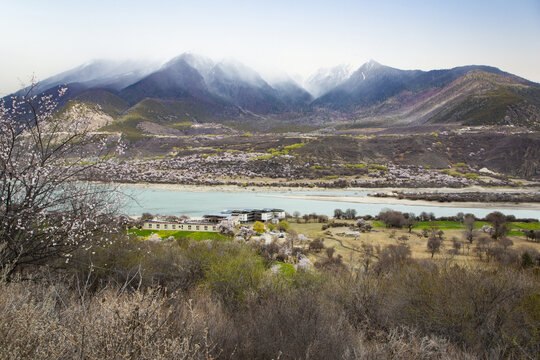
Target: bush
{"points": [[316, 245], [283, 225], [130, 263], [480, 309], [392, 218], [233, 273]]}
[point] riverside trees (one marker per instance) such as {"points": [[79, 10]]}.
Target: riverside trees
{"points": [[44, 214]]}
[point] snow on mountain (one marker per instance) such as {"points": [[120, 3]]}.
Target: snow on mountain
{"points": [[102, 73], [325, 79]]}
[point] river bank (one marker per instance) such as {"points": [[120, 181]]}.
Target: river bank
{"points": [[278, 189], [395, 201]]}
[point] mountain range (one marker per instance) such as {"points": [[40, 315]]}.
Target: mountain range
{"points": [[194, 89]]}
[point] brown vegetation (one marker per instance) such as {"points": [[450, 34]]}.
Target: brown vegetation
{"points": [[141, 299]]}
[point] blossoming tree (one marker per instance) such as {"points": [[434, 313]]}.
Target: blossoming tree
{"points": [[44, 212]]}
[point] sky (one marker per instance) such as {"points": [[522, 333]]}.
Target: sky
{"points": [[42, 38]]}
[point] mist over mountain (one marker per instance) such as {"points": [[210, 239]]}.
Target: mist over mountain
{"points": [[102, 73], [326, 79], [195, 88]]}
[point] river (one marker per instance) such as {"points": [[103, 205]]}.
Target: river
{"points": [[139, 199]]}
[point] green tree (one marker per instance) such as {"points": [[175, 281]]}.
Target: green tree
{"points": [[283, 225], [258, 227]]}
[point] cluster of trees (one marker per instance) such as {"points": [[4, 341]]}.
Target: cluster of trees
{"points": [[489, 243], [310, 217], [397, 219], [466, 196], [532, 235], [348, 214]]}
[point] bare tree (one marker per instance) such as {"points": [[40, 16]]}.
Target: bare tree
{"points": [[468, 221], [456, 245], [44, 212], [498, 220], [350, 214], [506, 242], [322, 218], [434, 244], [410, 221]]}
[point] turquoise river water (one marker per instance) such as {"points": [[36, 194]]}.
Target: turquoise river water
{"points": [[171, 202]]}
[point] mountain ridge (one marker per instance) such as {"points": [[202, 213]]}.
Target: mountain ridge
{"points": [[229, 91]]}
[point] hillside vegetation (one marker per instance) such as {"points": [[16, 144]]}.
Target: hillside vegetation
{"points": [[134, 298]]}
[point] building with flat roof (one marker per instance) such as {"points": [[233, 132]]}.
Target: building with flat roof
{"points": [[180, 225], [252, 215]]}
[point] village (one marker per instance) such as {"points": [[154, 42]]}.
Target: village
{"points": [[212, 222]]}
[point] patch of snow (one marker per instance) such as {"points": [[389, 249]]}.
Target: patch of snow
{"points": [[487, 171]]}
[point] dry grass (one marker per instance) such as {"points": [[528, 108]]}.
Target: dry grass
{"points": [[380, 236], [51, 322]]}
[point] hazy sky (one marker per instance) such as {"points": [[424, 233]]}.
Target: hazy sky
{"points": [[47, 37]]}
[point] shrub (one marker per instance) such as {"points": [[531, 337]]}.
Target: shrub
{"points": [[481, 309], [316, 245], [130, 263], [471, 176], [234, 272], [393, 256], [392, 218], [283, 225], [111, 324]]}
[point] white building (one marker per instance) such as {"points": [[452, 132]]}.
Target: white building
{"points": [[180, 226], [279, 214], [251, 215]]}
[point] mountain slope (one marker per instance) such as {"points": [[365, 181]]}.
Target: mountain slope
{"points": [[290, 93], [374, 83], [243, 87], [176, 80], [477, 98], [109, 102]]}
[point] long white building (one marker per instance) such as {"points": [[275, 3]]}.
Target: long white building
{"points": [[180, 226]]}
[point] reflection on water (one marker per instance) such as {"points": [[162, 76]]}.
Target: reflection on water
{"points": [[170, 202]]}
